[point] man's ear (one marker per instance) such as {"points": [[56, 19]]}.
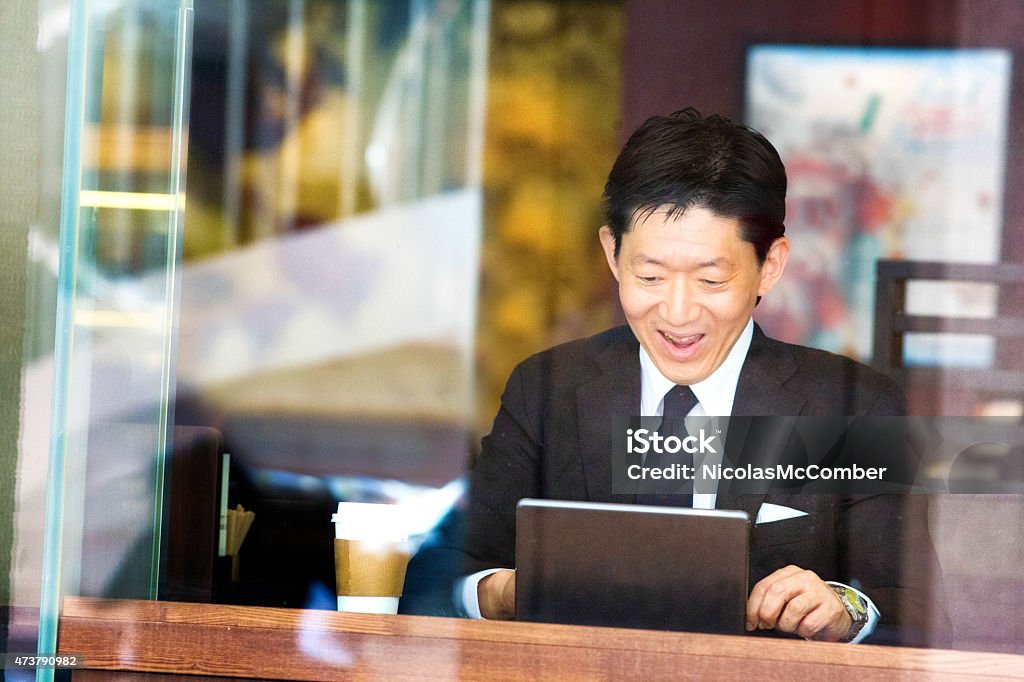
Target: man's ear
{"points": [[774, 264], [608, 244]]}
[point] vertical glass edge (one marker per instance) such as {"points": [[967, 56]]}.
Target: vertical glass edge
{"points": [[49, 601], [175, 229]]}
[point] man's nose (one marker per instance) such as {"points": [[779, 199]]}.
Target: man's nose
{"points": [[680, 305]]}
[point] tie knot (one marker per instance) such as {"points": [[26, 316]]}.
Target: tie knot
{"points": [[679, 401]]}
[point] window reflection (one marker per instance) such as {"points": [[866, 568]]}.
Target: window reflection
{"points": [[388, 206]]}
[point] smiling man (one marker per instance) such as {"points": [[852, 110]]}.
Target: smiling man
{"points": [[695, 237]]}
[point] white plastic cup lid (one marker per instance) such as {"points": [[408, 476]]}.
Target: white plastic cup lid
{"points": [[369, 521]]}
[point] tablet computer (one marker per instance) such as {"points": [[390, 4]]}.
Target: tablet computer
{"points": [[626, 565]]}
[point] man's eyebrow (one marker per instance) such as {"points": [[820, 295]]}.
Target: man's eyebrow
{"points": [[641, 259], [720, 262]]}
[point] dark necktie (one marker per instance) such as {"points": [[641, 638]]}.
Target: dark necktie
{"points": [[678, 403]]}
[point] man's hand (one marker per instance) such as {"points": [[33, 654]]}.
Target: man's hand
{"points": [[496, 595], [797, 601]]}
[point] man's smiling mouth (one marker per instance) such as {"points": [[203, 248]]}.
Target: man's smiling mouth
{"points": [[682, 341]]}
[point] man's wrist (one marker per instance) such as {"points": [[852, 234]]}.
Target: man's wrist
{"points": [[492, 597], [465, 593]]}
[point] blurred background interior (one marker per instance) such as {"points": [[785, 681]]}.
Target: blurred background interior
{"points": [[299, 245]]}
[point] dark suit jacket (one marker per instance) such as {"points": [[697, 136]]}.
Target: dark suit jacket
{"points": [[551, 439]]}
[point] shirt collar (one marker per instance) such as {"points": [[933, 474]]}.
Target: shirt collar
{"points": [[716, 393]]}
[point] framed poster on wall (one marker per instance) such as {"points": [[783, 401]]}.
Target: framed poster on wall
{"points": [[891, 153]]}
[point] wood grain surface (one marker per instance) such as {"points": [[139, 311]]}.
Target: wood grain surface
{"points": [[296, 644]]}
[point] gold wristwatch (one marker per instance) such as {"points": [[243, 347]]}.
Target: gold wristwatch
{"points": [[855, 606]]}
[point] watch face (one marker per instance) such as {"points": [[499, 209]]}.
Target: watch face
{"points": [[851, 597], [852, 601]]}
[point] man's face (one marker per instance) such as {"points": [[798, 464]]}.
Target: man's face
{"points": [[688, 285]]}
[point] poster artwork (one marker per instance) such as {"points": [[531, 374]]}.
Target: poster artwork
{"points": [[890, 154]]}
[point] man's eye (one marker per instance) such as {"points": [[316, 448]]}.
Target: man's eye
{"points": [[650, 280], [712, 283]]}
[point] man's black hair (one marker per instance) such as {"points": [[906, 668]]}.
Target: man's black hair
{"points": [[685, 160]]}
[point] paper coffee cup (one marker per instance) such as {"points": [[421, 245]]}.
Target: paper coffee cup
{"points": [[371, 552]]}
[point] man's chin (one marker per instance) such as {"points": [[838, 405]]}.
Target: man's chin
{"points": [[680, 373]]}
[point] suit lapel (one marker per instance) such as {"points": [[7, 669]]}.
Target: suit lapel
{"points": [[614, 392], [760, 392]]}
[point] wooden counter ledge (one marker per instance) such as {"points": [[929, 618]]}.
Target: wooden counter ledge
{"points": [[297, 644]]}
